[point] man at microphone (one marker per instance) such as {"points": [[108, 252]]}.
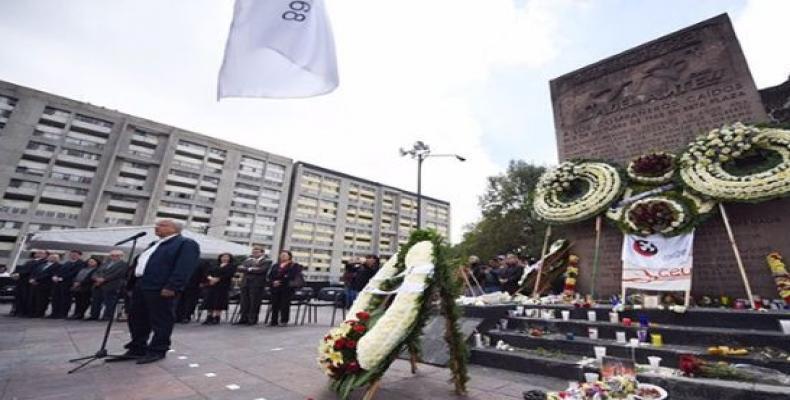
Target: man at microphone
{"points": [[161, 272]]}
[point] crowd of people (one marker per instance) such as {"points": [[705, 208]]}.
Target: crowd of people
{"points": [[501, 273], [88, 289]]}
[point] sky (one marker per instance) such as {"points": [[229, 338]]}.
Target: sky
{"points": [[465, 76]]}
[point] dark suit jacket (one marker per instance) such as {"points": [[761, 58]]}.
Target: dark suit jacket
{"points": [[255, 273], [291, 273], [69, 269], [171, 265], [113, 273], [44, 276]]}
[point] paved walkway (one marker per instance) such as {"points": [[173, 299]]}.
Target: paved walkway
{"points": [[209, 362]]}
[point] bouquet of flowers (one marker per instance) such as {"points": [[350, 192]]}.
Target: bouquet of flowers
{"points": [[571, 274], [781, 277], [338, 350]]}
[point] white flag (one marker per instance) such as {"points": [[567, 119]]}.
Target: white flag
{"points": [[280, 49], [656, 262]]}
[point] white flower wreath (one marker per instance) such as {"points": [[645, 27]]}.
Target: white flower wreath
{"points": [[603, 186], [703, 164]]}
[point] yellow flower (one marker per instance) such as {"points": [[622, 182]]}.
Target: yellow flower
{"points": [[336, 357]]}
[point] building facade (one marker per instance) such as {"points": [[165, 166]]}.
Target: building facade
{"points": [[68, 164], [334, 217]]}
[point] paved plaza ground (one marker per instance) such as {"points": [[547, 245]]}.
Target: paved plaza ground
{"points": [[210, 362]]}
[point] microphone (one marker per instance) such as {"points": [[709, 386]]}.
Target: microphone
{"points": [[130, 238]]}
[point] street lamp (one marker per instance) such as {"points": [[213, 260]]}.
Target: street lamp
{"points": [[420, 151]]}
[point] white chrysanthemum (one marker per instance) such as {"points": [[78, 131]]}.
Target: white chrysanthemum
{"points": [[393, 326], [707, 175], [603, 183]]}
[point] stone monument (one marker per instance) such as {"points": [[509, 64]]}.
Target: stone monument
{"points": [[659, 96]]}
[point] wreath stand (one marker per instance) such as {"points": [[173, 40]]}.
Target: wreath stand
{"points": [[737, 254], [374, 387]]}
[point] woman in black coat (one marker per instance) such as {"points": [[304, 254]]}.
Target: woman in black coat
{"points": [[284, 277], [217, 288], [81, 287]]}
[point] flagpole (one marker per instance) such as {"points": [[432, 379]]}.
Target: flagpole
{"points": [[737, 253], [595, 255], [543, 252]]}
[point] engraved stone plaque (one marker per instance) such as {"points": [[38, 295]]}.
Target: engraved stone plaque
{"points": [[659, 96]]}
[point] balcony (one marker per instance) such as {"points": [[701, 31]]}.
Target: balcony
{"points": [[57, 116], [201, 214], [173, 210], [191, 150], [240, 219], [78, 141], [66, 198], [39, 153], [78, 160], [31, 171], [141, 172], [123, 204], [5, 231], [187, 181], [91, 126], [22, 190], [145, 139]]}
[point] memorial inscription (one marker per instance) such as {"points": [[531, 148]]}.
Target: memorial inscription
{"points": [[659, 96]]}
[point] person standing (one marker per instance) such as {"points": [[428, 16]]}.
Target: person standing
{"points": [[81, 288], [511, 274], [188, 300], [62, 282], [361, 278], [352, 267], [253, 285], [41, 285], [162, 271], [285, 277], [217, 288], [22, 293], [107, 283]]}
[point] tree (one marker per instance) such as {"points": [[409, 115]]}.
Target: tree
{"points": [[508, 224]]}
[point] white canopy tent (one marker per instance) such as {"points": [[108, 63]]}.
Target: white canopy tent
{"points": [[104, 239]]}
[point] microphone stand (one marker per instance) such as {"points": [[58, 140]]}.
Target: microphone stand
{"points": [[102, 352]]}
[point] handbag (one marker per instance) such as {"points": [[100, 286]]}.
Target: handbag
{"points": [[297, 281]]}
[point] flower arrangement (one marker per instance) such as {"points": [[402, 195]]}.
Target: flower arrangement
{"points": [[571, 274], [395, 324], [780, 274], [359, 351], [652, 168], [574, 191], [337, 353], [656, 214], [738, 163], [618, 387], [693, 366]]}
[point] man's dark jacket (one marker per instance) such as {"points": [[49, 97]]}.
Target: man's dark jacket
{"points": [[171, 265]]}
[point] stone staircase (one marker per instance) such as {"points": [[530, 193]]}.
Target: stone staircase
{"points": [[553, 352]]}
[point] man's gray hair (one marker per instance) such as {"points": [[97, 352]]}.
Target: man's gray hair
{"points": [[178, 225]]}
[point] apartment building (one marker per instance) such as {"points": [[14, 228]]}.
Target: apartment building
{"points": [[334, 217], [68, 164]]}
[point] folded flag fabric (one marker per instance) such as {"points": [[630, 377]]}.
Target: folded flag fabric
{"points": [[278, 49]]}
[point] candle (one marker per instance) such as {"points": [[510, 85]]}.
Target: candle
{"points": [[591, 316], [593, 333], [642, 335], [626, 321], [620, 336], [656, 339], [569, 335], [643, 321], [614, 317]]}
